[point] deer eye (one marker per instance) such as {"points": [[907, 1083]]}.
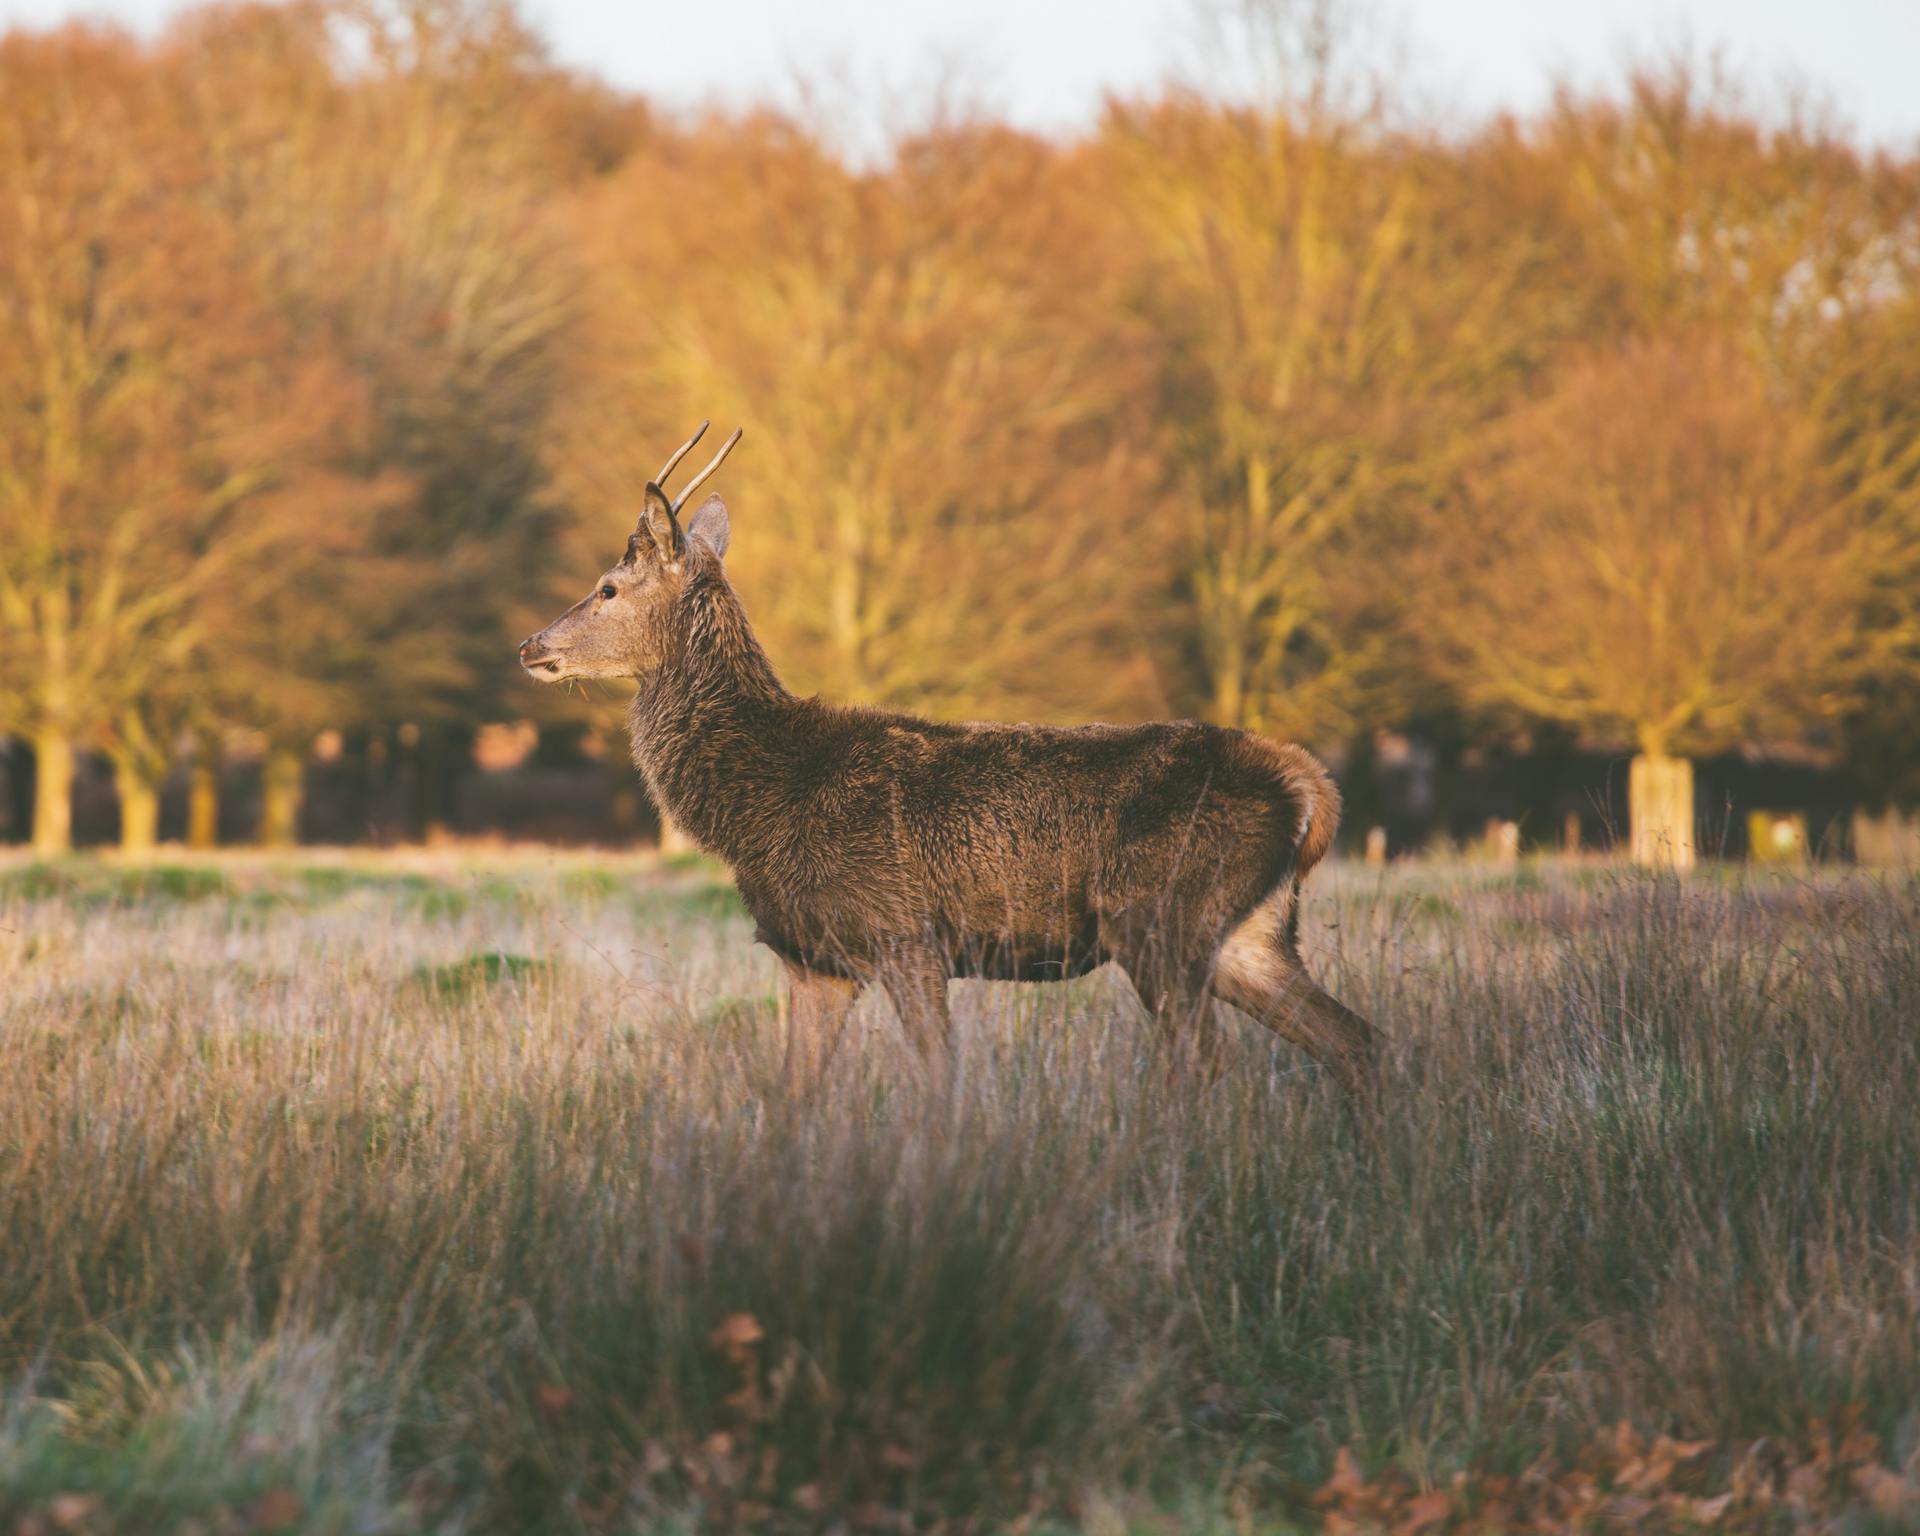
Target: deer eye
{"points": [[609, 592]]}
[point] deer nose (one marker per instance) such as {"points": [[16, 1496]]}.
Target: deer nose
{"points": [[528, 647]]}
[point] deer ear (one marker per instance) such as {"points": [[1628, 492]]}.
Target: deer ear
{"points": [[709, 526], [657, 524]]}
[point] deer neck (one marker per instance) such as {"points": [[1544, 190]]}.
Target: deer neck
{"points": [[704, 721]]}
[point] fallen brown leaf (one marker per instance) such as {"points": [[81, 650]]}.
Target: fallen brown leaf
{"points": [[1888, 1492], [1425, 1510], [1807, 1482], [737, 1331], [1345, 1485], [808, 1498], [1629, 1509], [71, 1511], [274, 1510]]}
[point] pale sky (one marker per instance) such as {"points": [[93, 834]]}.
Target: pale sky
{"points": [[1047, 63]]}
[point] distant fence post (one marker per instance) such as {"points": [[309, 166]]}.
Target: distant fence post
{"points": [[1503, 842], [1890, 840], [1777, 837]]}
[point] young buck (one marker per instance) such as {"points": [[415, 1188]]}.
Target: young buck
{"points": [[879, 848]]}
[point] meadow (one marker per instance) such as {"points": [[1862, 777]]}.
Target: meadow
{"points": [[460, 1192]]}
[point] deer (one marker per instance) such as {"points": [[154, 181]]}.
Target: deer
{"points": [[874, 848]]}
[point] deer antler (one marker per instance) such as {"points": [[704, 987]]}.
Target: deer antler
{"points": [[702, 478], [681, 452]]}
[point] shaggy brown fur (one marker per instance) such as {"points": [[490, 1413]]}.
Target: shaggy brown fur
{"points": [[880, 848]]}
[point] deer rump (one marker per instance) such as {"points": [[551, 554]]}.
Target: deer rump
{"points": [[1024, 853]]}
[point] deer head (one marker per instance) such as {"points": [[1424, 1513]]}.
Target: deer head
{"points": [[619, 628]]}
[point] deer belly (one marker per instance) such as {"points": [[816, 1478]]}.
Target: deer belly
{"points": [[1073, 949], [1011, 924]]}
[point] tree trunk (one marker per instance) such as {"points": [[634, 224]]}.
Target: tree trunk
{"points": [[203, 797], [52, 793], [139, 810], [283, 788], [1229, 697], [1660, 811], [844, 599]]}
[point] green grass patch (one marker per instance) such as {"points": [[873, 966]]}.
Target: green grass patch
{"points": [[746, 1011], [692, 859], [475, 973], [713, 901], [431, 898], [589, 885], [88, 885], [36, 882]]}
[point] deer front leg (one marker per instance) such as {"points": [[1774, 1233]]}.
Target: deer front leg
{"points": [[816, 1012]]}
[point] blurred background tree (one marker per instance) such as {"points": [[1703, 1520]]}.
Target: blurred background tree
{"points": [[160, 440], [896, 511], [337, 338], [1654, 550], [1869, 404], [1330, 325], [392, 168]]}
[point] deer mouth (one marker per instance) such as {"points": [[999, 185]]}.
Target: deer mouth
{"points": [[547, 666]]}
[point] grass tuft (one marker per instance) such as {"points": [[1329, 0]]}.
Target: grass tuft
{"points": [[463, 977]]}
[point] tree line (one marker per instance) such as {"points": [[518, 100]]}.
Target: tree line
{"points": [[338, 340]]}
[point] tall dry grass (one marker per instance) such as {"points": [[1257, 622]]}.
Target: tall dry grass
{"points": [[359, 1196]]}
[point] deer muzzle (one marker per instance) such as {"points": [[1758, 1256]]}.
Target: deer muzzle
{"points": [[536, 658]]}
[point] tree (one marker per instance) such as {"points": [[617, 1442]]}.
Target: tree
{"points": [[1868, 402], [158, 441], [1688, 207], [393, 191], [1681, 211], [945, 490], [1330, 325], [1654, 550]]}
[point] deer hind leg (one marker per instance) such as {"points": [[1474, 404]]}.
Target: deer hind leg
{"points": [[1182, 1010], [1258, 971], [1170, 979], [816, 1010], [916, 979]]}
